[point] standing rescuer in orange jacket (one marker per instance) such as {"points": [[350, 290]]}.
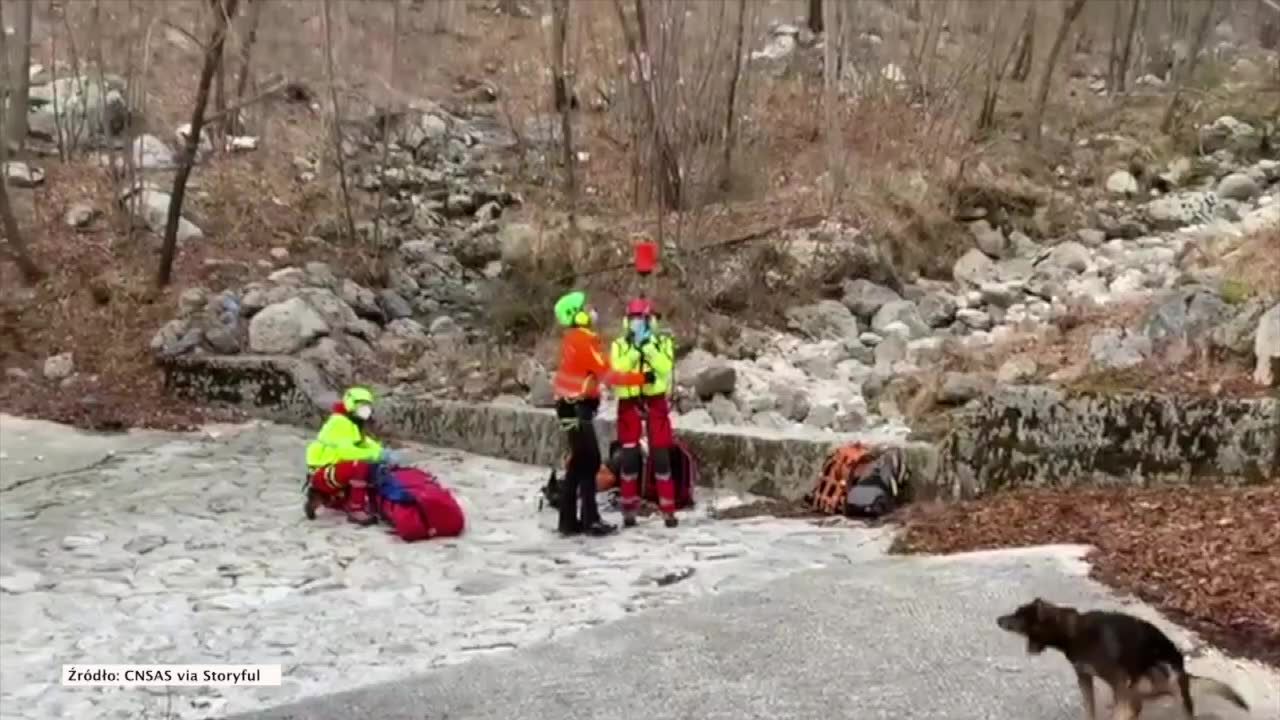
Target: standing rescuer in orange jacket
{"points": [[582, 370]]}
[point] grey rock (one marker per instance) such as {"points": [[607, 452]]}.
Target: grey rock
{"points": [[1184, 315], [937, 309], [329, 356], [975, 319], [1069, 255], [990, 241], [286, 327], [1238, 186], [1122, 183], [361, 299], [718, 379], [821, 416], [973, 268], [60, 366], [864, 297], [959, 388], [1176, 211], [792, 402], [1017, 269], [1001, 295], [698, 417], [1017, 370], [900, 311], [723, 411], [80, 215], [1117, 349], [770, 420], [1228, 133], [891, 351], [394, 307], [823, 320], [1089, 237], [1236, 334]]}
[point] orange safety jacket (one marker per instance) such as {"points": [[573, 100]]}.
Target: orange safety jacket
{"points": [[583, 368]]}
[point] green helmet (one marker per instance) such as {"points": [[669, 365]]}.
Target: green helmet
{"points": [[568, 307], [357, 396]]}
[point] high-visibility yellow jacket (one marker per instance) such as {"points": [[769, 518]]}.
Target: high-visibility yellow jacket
{"points": [[657, 354], [341, 440]]}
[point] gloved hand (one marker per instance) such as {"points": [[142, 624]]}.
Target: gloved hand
{"points": [[390, 458], [649, 377]]}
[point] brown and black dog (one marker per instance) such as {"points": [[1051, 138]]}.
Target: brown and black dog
{"points": [[1134, 657]]}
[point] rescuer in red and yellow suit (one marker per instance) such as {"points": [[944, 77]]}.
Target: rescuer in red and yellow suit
{"points": [[641, 347]]}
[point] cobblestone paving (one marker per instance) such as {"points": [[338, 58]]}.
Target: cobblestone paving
{"points": [[193, 549]]}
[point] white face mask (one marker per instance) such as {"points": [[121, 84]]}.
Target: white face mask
{"points": [[364, 412], [594, 317]]}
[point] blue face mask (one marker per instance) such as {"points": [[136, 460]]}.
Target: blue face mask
{"points": [[639, 328]]}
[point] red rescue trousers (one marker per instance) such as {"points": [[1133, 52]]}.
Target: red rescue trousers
{"points": [[343, 485], [633, 415]]}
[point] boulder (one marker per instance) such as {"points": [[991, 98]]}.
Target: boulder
{"points": [[864, 297], [973, 268], [1122, 183], [1238, 186], [823, 320], [900, 311], [718, 379], [285, 328]]}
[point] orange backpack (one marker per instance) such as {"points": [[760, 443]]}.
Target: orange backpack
{"points": [[830, 493]]}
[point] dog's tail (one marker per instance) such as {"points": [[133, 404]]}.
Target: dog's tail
{"points": [[1209, 686]]}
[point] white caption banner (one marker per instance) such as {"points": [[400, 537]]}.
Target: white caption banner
{"points": [[161, 675]]}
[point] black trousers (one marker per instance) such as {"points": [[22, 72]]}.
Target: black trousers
{"points": [[576, 419]]}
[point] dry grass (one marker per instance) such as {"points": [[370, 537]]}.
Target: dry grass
{"points": [[1255, 264]]}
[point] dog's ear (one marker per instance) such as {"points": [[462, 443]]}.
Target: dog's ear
{"points": [[1042, 608]]}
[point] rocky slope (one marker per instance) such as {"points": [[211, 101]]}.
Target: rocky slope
{"points": [[830, 367]]}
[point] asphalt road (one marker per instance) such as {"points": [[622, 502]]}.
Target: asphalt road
{"points": [[888, 638]]}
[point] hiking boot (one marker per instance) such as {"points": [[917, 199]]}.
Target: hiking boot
{"points": [[569, 529], [312, 504], [628, 519], [360, 517], [600, 528], [670, 520]]}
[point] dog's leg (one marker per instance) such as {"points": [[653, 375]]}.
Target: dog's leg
{"points": [[1085, 681], [1128, 705], [1184, 690]]}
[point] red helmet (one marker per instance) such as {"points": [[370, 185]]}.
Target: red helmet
{"points": [[639, 306]]}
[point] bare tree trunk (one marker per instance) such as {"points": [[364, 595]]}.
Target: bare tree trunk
{"points": [[1188, 68], [20, 97], [666, 163], [996, 69], [246, 55], [386, 124], [1122, 77], [1036, 118], [563, 94], [1027, 50], [212, 58], [339, 155], [17, 244], [1113, 55], [835, 160], [18, 249], [731, 104], [816, 24]]}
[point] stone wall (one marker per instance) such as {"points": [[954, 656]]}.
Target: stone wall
{"points": [[293, 391], [1044, 436]]}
